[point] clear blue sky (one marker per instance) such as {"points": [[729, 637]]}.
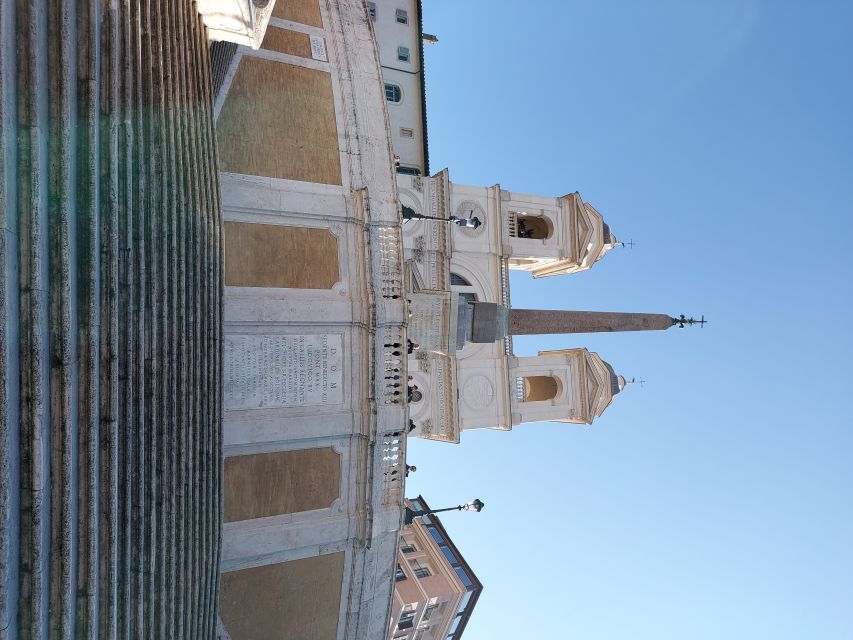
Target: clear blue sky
{"points": [[716, 502]]}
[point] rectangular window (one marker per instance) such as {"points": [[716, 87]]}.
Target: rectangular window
{"points": [[408, 548], [463, 576], [407, 620], [399, 574], [451, 558], [420, 572], [371, 9], [402, 16], [429, 611], [407, 133], [403, 54], [393, 93]]}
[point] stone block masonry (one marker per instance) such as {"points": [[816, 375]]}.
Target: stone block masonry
{"points": [[110, 322]]}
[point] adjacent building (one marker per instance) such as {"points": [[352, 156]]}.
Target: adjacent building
{"points": [[398, 28], [435, 590]]}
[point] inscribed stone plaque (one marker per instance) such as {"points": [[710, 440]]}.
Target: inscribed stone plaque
{"points": [[318, 48], [264, 371], [429, 323]]}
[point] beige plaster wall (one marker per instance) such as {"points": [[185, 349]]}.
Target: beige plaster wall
{"points": [[304, 11], [287, 41], [279, 121], [265, 255], [296, 600], [269, 484]]}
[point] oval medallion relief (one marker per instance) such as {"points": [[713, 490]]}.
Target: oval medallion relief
{"points": [[478, 392], [469, 209]]}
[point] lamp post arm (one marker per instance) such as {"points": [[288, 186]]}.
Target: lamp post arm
{"points": [[411, 515]]}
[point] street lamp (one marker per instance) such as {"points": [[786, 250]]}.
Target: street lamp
{"points": [[475, 505], [411, 214]]}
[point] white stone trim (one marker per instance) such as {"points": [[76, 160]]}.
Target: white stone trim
{"points": [[311, 30], [287, 58]]}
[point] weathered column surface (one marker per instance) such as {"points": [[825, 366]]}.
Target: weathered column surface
{"points": [[110, 321], [536, 321]]}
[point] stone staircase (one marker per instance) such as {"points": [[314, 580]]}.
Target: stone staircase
{"points": [[110, 322]]}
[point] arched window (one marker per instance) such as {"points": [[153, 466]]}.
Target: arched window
{"points": [[463, 287], [533, 227], [393, 93], [539, 388], [458, 281]]}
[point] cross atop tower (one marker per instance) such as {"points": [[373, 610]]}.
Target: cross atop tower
{"points": [[682, 321]]}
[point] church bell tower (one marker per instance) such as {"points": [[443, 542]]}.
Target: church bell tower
{"points": [[466, 373]]}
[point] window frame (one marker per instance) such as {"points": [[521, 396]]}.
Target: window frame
{"points": [[406, 621], [408, 170], [404, 54], [401, 13], [371, 10], [420, 571], [396, 90], [400, 574]]}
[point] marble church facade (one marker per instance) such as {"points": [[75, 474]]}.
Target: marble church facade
{"points": [[546, 236], [313, 304]]}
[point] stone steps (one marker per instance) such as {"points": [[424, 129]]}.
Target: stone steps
{"points": [[110, 321]]}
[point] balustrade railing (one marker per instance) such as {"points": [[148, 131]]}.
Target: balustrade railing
{"points": [[505, 301], [393, 467], [512, 225], [393, 366], [390, 256], [519, 389]]}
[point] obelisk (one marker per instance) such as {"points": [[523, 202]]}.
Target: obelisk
{"points": [[485, 322], [548, 321]]}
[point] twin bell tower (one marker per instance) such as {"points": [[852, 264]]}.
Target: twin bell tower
{"points": [[462, 318]]}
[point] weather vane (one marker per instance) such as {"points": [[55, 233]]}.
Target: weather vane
{"points": [[629, 244]]}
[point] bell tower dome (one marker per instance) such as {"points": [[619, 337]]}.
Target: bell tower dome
{"points": [[565, 235]]}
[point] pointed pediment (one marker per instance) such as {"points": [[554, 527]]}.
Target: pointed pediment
{"points": [[594, 386], [584, 234]]}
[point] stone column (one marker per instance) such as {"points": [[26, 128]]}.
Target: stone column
{"points": [[537, 321]]}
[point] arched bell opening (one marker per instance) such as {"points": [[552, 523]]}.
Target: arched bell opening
{"points": [[531, 227], [540, 388]]}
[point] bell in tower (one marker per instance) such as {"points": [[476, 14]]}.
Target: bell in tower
{"points": [[553, 236]]}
